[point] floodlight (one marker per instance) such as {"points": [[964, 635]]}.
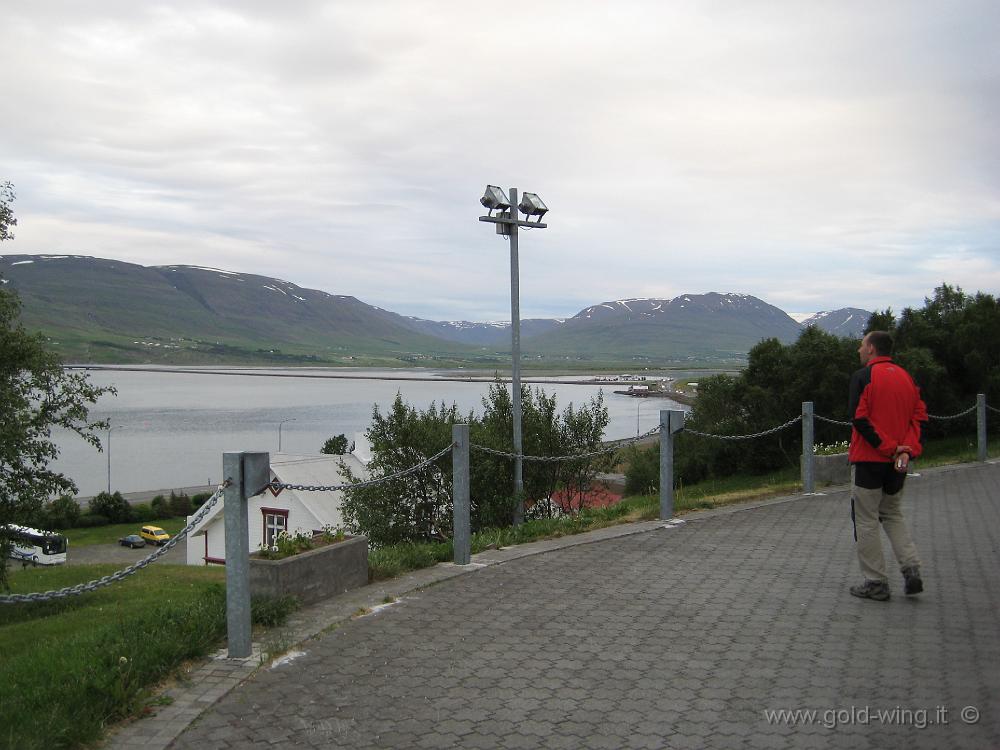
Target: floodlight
{"points": [[532, 205], [494, 198]]}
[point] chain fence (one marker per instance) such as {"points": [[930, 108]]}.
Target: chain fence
{"points": [[82, 588], [955, 416], [771, 431], [358, 485], [610, 447], [831, 421], [993, 408]]}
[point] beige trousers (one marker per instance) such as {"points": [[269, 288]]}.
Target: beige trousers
{"points": [[870, 507]]}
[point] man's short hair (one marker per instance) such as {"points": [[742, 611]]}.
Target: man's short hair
{"points": [[882, 342]]}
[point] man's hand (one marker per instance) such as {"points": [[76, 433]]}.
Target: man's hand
{"points": [[902, 458]]}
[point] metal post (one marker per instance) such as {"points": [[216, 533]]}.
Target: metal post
{"points": [[248, 473], [808, 482], [460, 482], [515, 353], [671, 421], [981, 424], [109, 459]]}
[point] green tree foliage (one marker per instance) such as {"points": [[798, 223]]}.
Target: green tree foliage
{"points": [[951, 346], [36, 395], [419, 507], [337, 446], [7, 219], [62, 513], [160, 507], [777, 380], [180, 504], [112, 506]]}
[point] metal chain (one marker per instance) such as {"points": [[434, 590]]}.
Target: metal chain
{"points": [[831, 421], [610, 447], [745, 437], [954, 416], [360, 485], [82, 588], [993, 408]]}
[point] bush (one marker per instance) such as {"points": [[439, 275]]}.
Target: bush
{"points": [[89, 520], [337, 446], [180, 505], [160, 507], [112, 506], [642, 476], [199, 499], [62, 513], [143, 513]]}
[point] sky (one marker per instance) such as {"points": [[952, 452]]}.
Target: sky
{"points": [[814, 154]]}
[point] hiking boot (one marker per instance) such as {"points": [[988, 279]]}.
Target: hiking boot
{"points": [[913, 584], [877, 590]]}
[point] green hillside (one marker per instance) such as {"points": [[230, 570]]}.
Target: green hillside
{"points": [[95, 310]]}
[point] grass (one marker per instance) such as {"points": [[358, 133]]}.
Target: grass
{"points": [[84, 537], [72, 666]]}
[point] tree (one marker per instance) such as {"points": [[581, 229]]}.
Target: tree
{"points": [[7, 219], [36, 395], [337, 446], [112, 506], [419, 507]]}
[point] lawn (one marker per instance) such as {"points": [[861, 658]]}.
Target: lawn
{"points": [[112, 533], [71, 666]]}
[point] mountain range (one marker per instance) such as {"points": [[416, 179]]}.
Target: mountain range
{"points": [[98, 310]]}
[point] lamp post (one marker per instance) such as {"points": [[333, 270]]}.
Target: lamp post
{"points": [[507, 223], [110, 428], [279, 431]]}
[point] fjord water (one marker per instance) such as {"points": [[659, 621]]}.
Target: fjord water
{"points": [[170, 428]]}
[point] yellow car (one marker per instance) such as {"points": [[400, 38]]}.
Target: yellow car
{"points": [[154, 535]]}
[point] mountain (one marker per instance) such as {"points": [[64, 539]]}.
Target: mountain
{"points": [[847, 321], [492, 334], [704, 326], [98, 310]]}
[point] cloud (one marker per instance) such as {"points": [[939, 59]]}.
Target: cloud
{"points": [[811, 154]]}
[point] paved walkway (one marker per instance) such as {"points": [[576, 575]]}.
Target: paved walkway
{"points": [[679, 637]]}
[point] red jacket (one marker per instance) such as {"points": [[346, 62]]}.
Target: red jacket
{"points": [[886, 410]]}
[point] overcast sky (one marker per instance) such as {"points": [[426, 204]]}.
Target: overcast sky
{"points": [[814, 154]]}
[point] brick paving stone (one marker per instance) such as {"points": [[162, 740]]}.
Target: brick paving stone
{"points": [[691, 633]]}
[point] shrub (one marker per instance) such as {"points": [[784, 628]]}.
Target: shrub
{"points": [[143, 513], [160, 507], [337, 446], [62, 513], [89, 520], [180, 505], [199, 499], [642, 476], [112, 506]]}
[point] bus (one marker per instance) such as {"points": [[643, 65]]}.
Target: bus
{"points": [[35, 546]]}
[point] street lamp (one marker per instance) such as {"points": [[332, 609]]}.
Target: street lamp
{"points": [[279, 431], [507, 222], [110, 428]]}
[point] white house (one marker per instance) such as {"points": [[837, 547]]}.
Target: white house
{"points": [[289, 510]]}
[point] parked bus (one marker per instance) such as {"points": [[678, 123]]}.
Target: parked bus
{"points": [[34, 546]]}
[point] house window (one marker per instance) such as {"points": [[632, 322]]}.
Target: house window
{"points": [[275, 521]]}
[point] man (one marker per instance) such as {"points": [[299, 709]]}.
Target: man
{"points": [[886, 412]]}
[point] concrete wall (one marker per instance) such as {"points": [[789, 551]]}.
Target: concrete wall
{"points": [[313, 575], [831, 469]]}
